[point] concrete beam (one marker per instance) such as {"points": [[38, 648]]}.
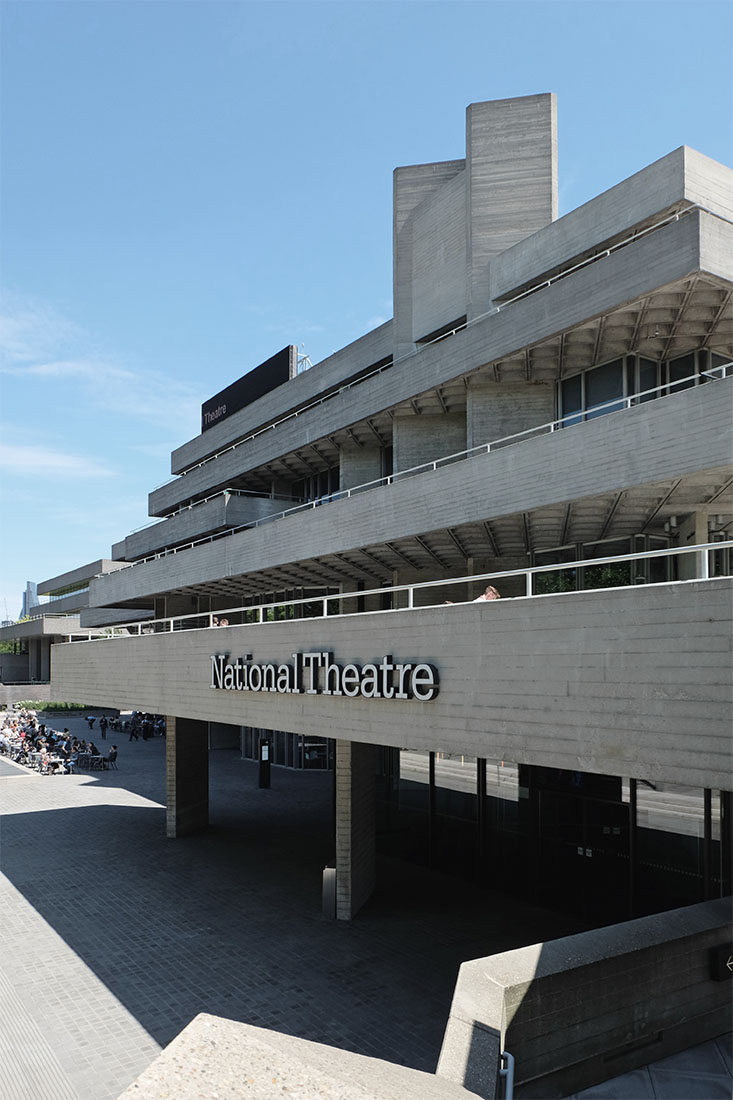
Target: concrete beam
{"points": [[647, 444], [628, 681], [696, 243], [682, 178]]}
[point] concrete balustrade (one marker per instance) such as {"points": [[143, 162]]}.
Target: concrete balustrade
{"points": [[581, 1009]]}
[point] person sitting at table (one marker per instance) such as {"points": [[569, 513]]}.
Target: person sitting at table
{"points": [[93, 749], [111, 758]]}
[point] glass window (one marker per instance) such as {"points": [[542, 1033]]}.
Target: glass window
{"points": [[455, 806], [648, 379], [679, 369], [609, 575], [602, 384], [571, 395], [670, 841], [659, 568], [564, 580], [387, 461]]}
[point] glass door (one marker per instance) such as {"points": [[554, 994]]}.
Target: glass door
{"points": [[584, 856]]}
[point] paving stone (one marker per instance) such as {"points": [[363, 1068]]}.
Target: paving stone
{"points": [[115, 937]]}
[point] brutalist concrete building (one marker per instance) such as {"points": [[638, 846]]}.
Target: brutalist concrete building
{"points": [[547, 412]]}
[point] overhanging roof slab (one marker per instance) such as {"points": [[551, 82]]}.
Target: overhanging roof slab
{"points": [[684, 433]]}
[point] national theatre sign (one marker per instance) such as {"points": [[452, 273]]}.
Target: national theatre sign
{"points": [[316, 673]]}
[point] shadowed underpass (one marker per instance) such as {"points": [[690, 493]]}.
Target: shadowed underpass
{"points": [[138, 933]]}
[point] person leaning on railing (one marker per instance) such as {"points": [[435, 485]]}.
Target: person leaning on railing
{"points": [[489, 593]]}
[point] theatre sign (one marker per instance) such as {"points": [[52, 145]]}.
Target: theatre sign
{"points": [[317, 673]]}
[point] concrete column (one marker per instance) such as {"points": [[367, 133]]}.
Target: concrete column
{"points": [[693, 531], [45, 658], [511, 180], [411, 186], [34, 659], [495, 410], [187, 776], [355, 826], [427, 437], [359, 465]]}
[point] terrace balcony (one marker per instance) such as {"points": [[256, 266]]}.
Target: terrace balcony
{"points": [[632, 680], [577, 318], [612, 475]]}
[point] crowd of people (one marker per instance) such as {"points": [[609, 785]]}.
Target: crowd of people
{"points": [[27, 741], [138, 725], [145, 726]]}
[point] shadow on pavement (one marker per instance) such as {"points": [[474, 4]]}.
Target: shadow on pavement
{"points": [[229, 921]]}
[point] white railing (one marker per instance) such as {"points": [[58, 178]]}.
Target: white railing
{"points": [[563, 274], [616, 404], [404, 594]]}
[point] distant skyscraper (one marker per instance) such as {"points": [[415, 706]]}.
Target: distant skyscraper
{"points": [[30, 598]]}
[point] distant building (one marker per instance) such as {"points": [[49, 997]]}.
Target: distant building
{"points": [[25, 657], [30, 599]]}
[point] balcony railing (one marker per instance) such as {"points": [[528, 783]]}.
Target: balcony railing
{"points": [[616, 404], [321, 607]]}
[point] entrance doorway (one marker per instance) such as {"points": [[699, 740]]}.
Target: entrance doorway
{"points": [[584, 863]]}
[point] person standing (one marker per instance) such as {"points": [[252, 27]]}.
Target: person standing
{"points": [[103, 727]]}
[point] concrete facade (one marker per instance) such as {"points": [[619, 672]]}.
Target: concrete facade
{"points": [[584, 363], [533, 1002], [650, 445], [609, 680]]}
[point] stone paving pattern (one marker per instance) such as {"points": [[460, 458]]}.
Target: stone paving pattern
{"points": [[114, 938]]}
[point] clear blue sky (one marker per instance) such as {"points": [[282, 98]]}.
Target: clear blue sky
{"points": [[188, 187]]}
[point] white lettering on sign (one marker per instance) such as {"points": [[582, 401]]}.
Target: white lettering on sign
{"points": [[316, 673], [212, 417]]}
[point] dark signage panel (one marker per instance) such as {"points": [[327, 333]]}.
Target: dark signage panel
{"points": [[259, 381]]}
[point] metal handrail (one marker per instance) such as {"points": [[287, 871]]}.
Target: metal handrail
{"points": [[617, 404], [507, 1072], [259, 612], [564, 273]]}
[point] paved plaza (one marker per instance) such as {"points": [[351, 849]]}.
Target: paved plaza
{"points": [[114, 938]]}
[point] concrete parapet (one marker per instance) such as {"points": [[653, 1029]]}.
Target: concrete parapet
{"points": [[230, 1060], [632, 681], [15, 693], [578, 1010]]}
